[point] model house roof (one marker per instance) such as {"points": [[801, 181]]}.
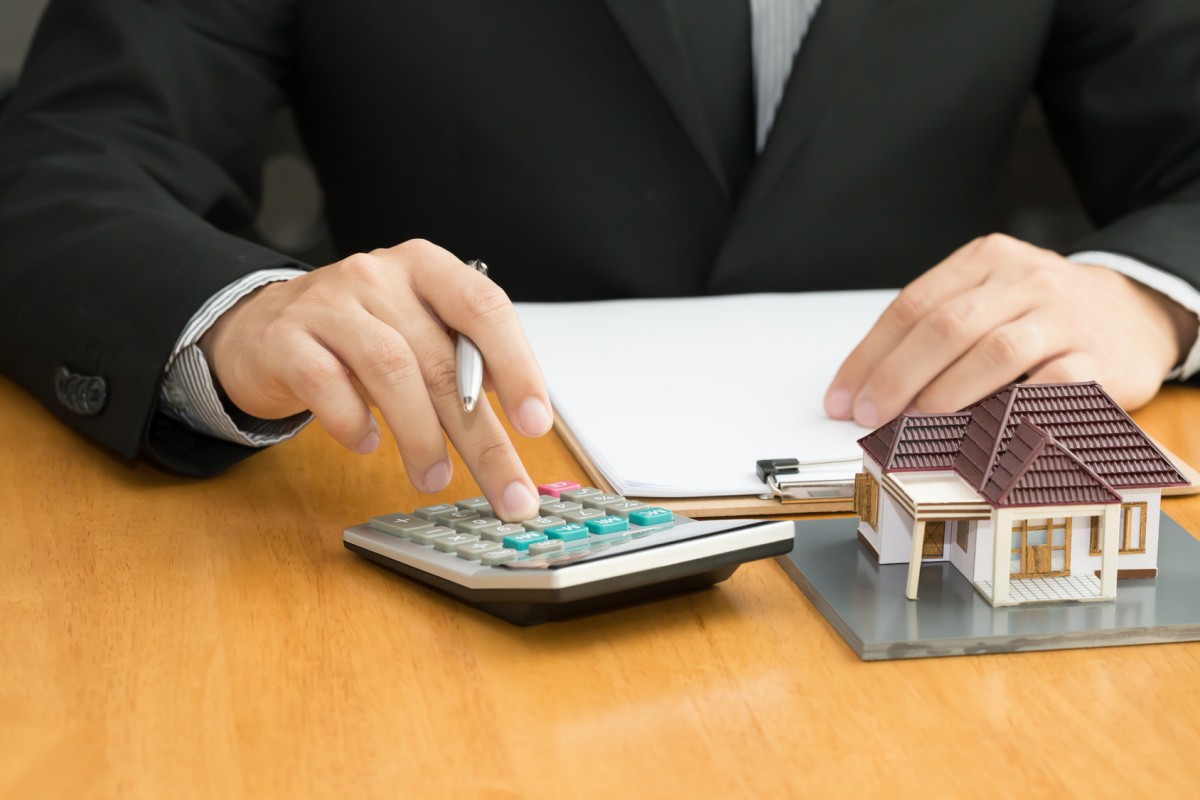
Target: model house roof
{"points": [[1076, 446]]}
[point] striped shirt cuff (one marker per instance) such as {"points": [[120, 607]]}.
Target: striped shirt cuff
{"points": [[189, 392], [1171, 286]]}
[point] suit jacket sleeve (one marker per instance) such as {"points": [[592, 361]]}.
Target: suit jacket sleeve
{"points": [[1120, 84], [128, 151]]}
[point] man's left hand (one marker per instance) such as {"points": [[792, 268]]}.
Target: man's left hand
{"points": [[999, 309]]}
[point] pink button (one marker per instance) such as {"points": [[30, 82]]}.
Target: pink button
{"points": [[557, 488]]}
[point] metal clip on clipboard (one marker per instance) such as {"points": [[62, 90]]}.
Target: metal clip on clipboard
{"points": [[782, 476]]}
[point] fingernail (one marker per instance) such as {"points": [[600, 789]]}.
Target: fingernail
{"points": [[839, 404], [519, 503], [865, 413], [437, 478], [534, 417], [912, 409], [370, 442]]}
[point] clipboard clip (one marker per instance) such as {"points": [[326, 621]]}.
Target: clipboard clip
{"points": [[782, 477]]}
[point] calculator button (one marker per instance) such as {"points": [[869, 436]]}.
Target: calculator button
{"points": [[435, 513], [456, 516], [544, 548], [598, 500], [558, 507], [478, 525], [479, 505], [540, 524], [521, 541], [473, 551], [607, 525], [584, 514], [577, 495], [495, 557], [557, 488], [450, 542], [427, 537], [653, 515], [621, 508], [567, 533], [498, 533], [402, 525]]}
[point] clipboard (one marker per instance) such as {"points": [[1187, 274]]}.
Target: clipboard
{"points": [[763, 506]]}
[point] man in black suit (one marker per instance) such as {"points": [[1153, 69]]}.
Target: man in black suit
{"points": [[585, 149]]}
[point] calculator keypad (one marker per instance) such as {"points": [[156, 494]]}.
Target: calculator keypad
{"points": [[573, 520]]}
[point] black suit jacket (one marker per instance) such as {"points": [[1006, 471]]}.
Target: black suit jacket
{"points": [[561, 140]]}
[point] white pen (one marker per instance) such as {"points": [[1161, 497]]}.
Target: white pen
{"points": [[469, 369]]}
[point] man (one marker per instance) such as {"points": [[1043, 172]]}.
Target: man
{"points": [[584, 149]]}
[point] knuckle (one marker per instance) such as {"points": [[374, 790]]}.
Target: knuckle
{"points": [[364, 268], [442, 378], [998, 244], [419, 249], [949, 322], [1003, 348], [487, 303], [493, 452], [315, 373], [1043, 280], [908, 308], [391, 360]]}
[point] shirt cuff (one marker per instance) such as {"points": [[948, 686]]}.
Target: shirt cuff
{"points": [[189, 392], [1171, 286]]}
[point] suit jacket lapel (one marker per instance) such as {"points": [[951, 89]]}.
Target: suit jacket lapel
{"points": [[830, 42], [651, 30]]}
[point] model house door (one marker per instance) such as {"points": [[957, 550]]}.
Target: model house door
{"points": [[1041, 548], [935, 540]]}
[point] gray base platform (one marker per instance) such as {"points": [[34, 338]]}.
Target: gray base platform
{"points": [[866, 602]]}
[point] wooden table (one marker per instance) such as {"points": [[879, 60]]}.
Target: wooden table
{"points": [[172, 638]]}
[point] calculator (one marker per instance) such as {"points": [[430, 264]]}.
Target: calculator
{"points": [[587, 550]]}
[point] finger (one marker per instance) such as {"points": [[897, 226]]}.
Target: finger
{"points": [[1000, 357], [472, 303], [386, 366], [938, 340], [1068, 368], [320, 382], [958, 273], [478, 436]]}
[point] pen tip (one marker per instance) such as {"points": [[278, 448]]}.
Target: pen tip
{"points": [[468, 404]]}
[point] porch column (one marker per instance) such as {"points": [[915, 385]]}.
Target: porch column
{"points": [[1001, 555], [914, 563], [1110, 545]]}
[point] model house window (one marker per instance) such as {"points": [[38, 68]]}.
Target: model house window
{"points": [[1133, 530], [1041, 548], [866, 498]]}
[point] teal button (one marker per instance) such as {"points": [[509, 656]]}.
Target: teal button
{"points": [[568, 533], [521, 541], [606, 525], [651, 516]]}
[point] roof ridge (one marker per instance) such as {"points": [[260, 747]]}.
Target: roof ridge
{"points": [[990, 464], [1049, 439], [902, 421], [1034, 452]]}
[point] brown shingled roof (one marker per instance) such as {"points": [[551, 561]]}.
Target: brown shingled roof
{"points": [[917, 442], [1030, 444], [1036, 470]]}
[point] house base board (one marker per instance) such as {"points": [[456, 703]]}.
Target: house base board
{"points": [[865, 602]]}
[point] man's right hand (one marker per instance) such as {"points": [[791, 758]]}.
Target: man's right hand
{"points": [[376, 329]]}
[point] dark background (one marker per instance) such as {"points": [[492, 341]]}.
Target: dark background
{"points": [[1034, 200]]}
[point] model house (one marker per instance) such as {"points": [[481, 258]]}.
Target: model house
{"points": [[1037, 493]]}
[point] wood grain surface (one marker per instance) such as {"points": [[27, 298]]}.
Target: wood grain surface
{"points": [[171, 638]]}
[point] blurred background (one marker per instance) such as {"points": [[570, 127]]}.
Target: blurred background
{"points": [[1034, 200]]}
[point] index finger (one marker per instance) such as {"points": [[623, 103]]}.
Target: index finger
{"points": [[949, 278], [473, 304]]}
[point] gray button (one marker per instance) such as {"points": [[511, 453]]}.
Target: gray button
{"points": [[478, 525], [435, 513], [494, 557], [598, 500], [558, 508], [622, 507], [402, 525], [456, 516], [497, 534], [544, 548], [83, 394], [428, 537], [479, 505], [450, 542], [577, 495], [584, 514], [539, 524], [472, 551]]}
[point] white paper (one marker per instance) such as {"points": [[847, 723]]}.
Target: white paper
{"points": [[680, 397]]}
